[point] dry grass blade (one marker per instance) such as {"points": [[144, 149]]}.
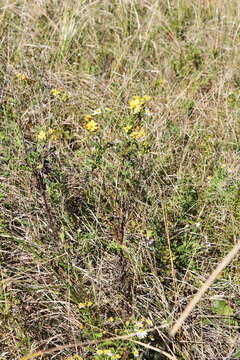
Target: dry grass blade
{"points": [[226, 261]]}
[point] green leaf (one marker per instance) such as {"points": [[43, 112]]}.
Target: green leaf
{"points": [[221, 307]]}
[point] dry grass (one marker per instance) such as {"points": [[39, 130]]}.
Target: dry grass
{"points": [[134, 226]]}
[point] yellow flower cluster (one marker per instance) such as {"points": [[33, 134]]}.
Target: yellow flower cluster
{"points": [[49, 134], [84, 305], [21, 76], [59, 93], [108, 353], [138, 133], [137, 103], [74, 357]]}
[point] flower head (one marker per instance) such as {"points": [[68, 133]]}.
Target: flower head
{"points": [[146, 98], [138, 324], [99, 352], [137, 134], [135, 353], [127, 128], [91, 126], [148, 113], [53, 134], [42, 135], [56, 92], [149, 321], [81, 305], [21, 76], [137, 103], [97, 111], [88, 117], [115, 356], [141, 334]]}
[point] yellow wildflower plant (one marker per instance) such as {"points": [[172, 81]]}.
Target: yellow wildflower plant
{"points": [[137, 134], [137, 103], [91, 126]]}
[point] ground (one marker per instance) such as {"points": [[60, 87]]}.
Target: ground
{"points": [[119, 180]]}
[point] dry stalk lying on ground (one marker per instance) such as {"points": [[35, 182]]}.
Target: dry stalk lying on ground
{"points": [[225, 262]]}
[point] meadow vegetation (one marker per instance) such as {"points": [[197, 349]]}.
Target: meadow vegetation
{"points": [[120, 178]]}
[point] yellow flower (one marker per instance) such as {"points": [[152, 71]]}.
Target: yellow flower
{"points": [[53, 134], [88, 117], [115, 357], [22, 77], [146, 98], [91, 126], [107, 352], [65, 96], [148, 321], [127, 128], [89, 303], [42, 135], [81, 305], [135, 104], [135, 353], [75, 356], [100, 352], [56, 92], [137, 134]]}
